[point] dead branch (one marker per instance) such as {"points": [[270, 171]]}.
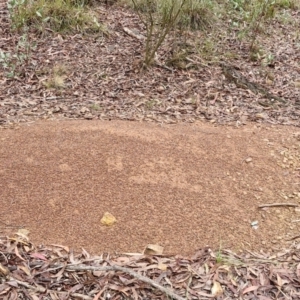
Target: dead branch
{"points": [[128, 271], [132, 34], [277, 204]]}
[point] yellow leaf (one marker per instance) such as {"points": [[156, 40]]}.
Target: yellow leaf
{"points": [[216, 290], [3, 270], [108, 219], [23, 232], [279, 281], [25, 270]]}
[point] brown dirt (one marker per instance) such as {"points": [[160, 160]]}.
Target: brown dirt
{"points": [[182, 186]]}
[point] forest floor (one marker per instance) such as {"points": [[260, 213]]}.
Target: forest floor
{"points": [[205, 166], [98, 76]]}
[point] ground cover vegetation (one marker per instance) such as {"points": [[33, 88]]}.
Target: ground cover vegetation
{"points": [[226, 62]]}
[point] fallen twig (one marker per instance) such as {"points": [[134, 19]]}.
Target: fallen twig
{"points": [[128, 271], [277, 204], [133, 34]]}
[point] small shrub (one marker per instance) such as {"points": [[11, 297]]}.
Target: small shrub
{"points": [[248, 12], [145, 6], [14, 62], [58, 15], [95, 107], [207, 49], [57, 77], [287, 4], [158, 24], [197, 14], [178, 59], [250, 17]]}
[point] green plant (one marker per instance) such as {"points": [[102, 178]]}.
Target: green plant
{"points": [[250, 17], [284, 16], [158, 25], [150, 104], [57, 77], [268, 59], [58, 15], [95, 107], [145, 6], [291, 4], [14, 62], [178, 59], [263, 10], [256, 53], [219, 256], [207, 49], [7, 63], [197, 14]]}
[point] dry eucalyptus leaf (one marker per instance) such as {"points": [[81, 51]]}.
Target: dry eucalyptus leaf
{"points": [[23, 232], [216, 289], [3, 270], [25, 269]]}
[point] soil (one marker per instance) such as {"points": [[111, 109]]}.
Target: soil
{"points": [[181, 186]]}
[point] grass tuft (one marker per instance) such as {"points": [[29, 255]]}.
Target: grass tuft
{"points": [[57, 77], [56, 15]]}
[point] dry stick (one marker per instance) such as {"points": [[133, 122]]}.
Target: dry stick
{"points": [[277, 204], [135, 35], [128, 271], [188, 287]]}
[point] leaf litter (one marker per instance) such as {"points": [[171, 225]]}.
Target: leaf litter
{"points": [[56, 272], [101, 77]]}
